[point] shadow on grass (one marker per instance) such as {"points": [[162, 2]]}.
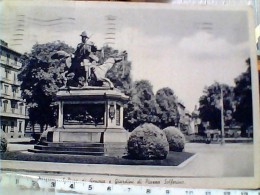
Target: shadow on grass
{"points": [[173, 159]]}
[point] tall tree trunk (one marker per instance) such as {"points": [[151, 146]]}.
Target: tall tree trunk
{"points": [[41, 128], [32, 124]]}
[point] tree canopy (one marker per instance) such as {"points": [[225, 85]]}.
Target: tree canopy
{"points": [[142, 107], [237, 101], [243, 94], [210, 104], [120, 73], [168, 111], [41, 78]]}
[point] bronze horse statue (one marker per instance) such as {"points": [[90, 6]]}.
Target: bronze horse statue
{"points": [[94, 73]]}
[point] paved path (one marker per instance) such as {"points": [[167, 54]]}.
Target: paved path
{"points": [[230, 160], [211, 160]]}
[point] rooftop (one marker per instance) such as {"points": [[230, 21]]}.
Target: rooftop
{"points": [[4, 46]]}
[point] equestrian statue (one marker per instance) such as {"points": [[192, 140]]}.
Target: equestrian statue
{"points": [[84, 68]]}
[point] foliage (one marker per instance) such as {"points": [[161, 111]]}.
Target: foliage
{"points": [[148, 142], [142, 107], [186, 127], [243, 94], [120, 76], [175, 138], [3, 146], [210, 104], [40, 80], [120, 73], [105, 53], [237, 103], [168, 113]]}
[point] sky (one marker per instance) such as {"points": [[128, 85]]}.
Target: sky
{"points": [[183, 48]]}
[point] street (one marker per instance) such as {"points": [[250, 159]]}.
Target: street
{"points": [[215, 160], [210, 160]]}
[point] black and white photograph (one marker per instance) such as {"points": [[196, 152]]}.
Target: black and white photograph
{"points": [[154, 93]]}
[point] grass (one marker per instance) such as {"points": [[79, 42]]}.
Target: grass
{"points": [[173, 159]]}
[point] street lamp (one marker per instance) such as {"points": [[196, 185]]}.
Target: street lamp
{"points": [[222, 116]]}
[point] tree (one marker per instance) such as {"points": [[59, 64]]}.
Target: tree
{"points": [[41, 78], [168, 113], [210, 104], [243, 94], [120, 76], [120, 73], [142, 107]]}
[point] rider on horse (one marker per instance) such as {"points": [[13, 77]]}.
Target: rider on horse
{"points": [[83, 56], [85, 68]]}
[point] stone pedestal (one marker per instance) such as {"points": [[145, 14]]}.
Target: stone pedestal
{"points": [[92, 117]]}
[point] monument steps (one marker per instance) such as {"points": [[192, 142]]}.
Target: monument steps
{"points": [[58, 148], [76, 148], [72, 144], [66, 152]]}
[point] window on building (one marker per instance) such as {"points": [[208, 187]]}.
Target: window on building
{"points": [[20, 126], [15, 60], [14, 89], [4, 127], [14, 106], [21, 108], [14, 78], [7, 73], [117, 115], [7, 59], [12, 126], [5, 105], [6, 89]]}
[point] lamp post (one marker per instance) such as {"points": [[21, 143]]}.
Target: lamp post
{"points": [[222, 116]]}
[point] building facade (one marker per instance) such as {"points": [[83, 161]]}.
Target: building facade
{"points": [[196, 121], [12, 107]]}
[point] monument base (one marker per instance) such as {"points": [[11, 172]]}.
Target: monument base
{"points": [[98, 142], [90, 122], [115, 142], [76, 135], [100, 135]]}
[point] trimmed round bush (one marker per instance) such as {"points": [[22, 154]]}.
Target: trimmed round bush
{"points": [[3, 146], [175, 138], [148, 142]]}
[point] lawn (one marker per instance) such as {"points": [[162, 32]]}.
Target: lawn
{"points": [[173, 158]]}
